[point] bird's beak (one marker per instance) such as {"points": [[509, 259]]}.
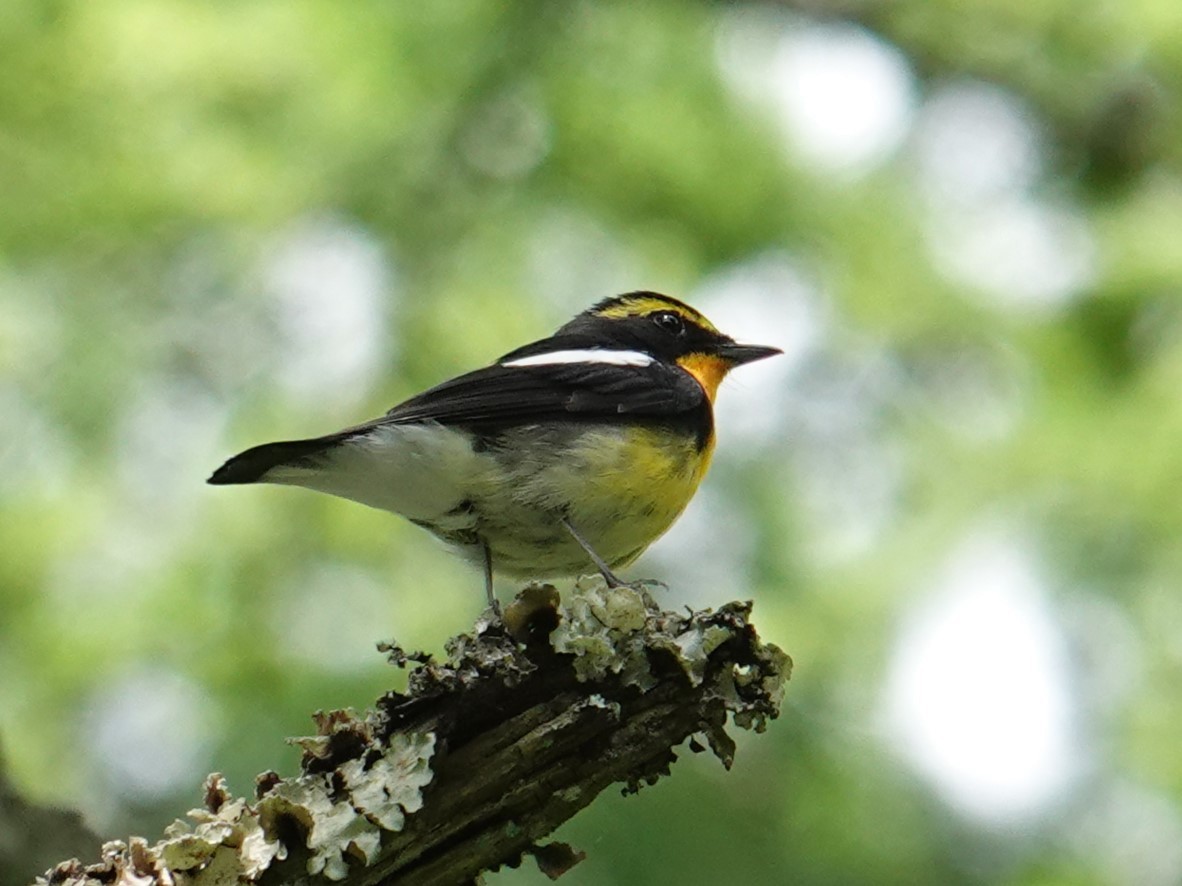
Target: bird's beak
{"points": [[738, 354]]}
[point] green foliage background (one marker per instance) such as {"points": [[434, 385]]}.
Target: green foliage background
{"points": [[494, 168]]}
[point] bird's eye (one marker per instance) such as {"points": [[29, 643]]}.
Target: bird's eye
{"points": [[670, 322]]}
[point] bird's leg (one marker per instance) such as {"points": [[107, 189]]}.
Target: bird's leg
{"points": [[604, 569], [493, 603]]}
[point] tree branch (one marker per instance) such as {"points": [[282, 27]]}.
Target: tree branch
{"points": [[33, 835], [483, 756]]}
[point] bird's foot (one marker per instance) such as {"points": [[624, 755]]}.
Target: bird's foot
{"points": [[641, 586]]}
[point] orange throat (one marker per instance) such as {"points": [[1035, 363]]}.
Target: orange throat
{"points": [[707, 369]]}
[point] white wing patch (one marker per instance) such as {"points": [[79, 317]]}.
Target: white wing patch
{"points": [[587, 355]]}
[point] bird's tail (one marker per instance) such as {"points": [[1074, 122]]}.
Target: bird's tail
{"points": [[253, 465]]}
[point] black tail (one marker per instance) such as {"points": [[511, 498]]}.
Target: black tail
{"points": [[251, 465]]}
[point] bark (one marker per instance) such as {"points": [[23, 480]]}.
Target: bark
{"points": [[33, 835], [484, 755]]}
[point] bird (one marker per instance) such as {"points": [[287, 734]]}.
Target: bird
{"points": [[575, 451]]}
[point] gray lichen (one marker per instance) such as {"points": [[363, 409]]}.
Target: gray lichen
{"points": [[342, 815], [616, 630], [603, 628]]}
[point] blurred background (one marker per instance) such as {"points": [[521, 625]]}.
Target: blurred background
{"points": [[955, 500]]}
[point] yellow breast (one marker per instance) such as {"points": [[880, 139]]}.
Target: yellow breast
{"points": [[621, 487], [636, 483]]}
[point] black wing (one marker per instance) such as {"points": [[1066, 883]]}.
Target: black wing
{"points": [[499, 396]]}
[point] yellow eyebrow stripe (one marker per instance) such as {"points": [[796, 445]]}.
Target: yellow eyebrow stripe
{"points": [[642, 305]]}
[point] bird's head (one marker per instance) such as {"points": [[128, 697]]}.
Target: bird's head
{"points": [[670, 331]]}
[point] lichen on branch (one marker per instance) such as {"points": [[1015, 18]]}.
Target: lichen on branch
{"points": [[483, 756]]}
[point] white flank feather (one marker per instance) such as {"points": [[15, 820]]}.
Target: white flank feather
{"points": [[420, 471]]}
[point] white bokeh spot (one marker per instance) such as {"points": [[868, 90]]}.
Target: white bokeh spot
{"points": [[150, 733], [332, 290], [978, 695], [980, 154], [975, 143], [1020, 254], [843, 97]]}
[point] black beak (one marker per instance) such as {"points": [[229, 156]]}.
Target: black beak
{"points": [[739, 354]]}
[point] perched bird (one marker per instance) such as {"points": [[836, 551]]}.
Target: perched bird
{"points": [[578, 449]]}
